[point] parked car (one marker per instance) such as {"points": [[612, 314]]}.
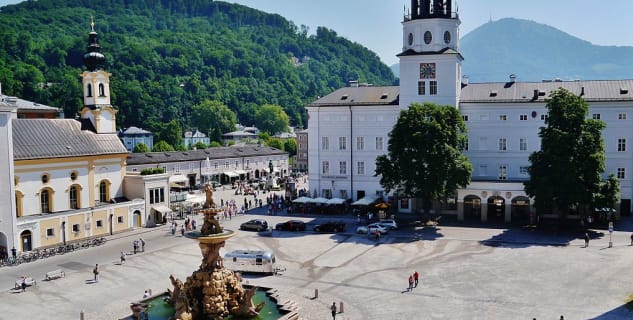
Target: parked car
{"points": [[330, 226], [389, 224], [371, 229], [291, 225], [255, 224]]}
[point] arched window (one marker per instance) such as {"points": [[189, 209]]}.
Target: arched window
{"points": [[18, 203], [46, 204], [73, 196], [89, 90], [104, 191], [101, 90]]}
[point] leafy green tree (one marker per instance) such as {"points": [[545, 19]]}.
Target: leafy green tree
{"points": [[215, 118], [275, 143], [272, 119], [141, 148], [566, 173], [172, 133], [162, 146], [608, 194], [199, 145], [290, 146], [424, 159]]}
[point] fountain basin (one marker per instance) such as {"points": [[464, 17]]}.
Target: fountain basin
{"points": [[212, 238]]}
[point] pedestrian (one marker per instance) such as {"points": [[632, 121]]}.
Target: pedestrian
{"points": [[410, 283], [146, 294], [632, 239], [23, 284], [182, 230], [142, 244], [193, 224], [562, 318], [122, 257], [95, 271], [586, 239], [135, 246], [173, 229], [333, 308], [377, 234], [416, 275]]}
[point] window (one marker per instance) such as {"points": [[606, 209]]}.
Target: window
{"points": [[99, 223], [465, 117], [156, 195], [45, 201], [326, 193], [45, 178], [433, 88], [73, 175], [360, 168], [421, 88], [523, 117], [342, 143], [503, 117], [378, 143], [621, 145], [621, 173], [325, 167], [544, 117], [101, 90], [89, 90], [523, 144], [523, 171], [342, 167], [73, 195], [50, 232], [595, 116], [503, 144], [237, 163], [325, 143], [404, 203], [360, 143], [503, 172], [226, 165], [177, 168], [621, 116], [215, 165], [104, 192], [465, 146], [119, 219], [76, 227]]}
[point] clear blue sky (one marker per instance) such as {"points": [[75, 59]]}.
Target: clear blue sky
{"points": [[376, 23]]}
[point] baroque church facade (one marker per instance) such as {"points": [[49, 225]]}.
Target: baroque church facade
{"points": [[349, 128]]}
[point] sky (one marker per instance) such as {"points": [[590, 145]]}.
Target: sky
{"points": [[376, 24]]}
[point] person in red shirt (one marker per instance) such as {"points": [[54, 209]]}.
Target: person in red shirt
{"points": [[416, 275], [410, 283]]}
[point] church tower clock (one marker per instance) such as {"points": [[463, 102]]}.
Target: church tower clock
{"points": [[430, 63], [97, 114]]}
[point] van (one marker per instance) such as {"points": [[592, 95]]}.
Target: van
{"points": [[251, 261]]}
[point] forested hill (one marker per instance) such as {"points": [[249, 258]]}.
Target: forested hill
{"points": [[167, 55]]}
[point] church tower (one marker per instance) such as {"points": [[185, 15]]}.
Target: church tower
{"points": [[430, 63], [97, 115]]}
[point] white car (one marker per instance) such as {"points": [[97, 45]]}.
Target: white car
{"points": [[389, 224], [371, 229]]}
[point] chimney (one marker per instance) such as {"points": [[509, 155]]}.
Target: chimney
{"points": [[513, 78], [353, 83], [464, 80], [582, 91]]}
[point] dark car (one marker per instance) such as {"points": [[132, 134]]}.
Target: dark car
{"points": [[291, 225], [255, 224], [330, 226]]}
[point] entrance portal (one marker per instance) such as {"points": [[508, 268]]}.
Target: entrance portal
{"points": [[472, 208], [496, 208], [26, 241]]}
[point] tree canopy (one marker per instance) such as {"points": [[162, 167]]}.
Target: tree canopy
{"points": [[271, 119], [565, 174], [141, 148], [214, 118], [424, 158]]}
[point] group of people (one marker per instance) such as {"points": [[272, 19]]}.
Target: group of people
{"points": [[413, 281]]}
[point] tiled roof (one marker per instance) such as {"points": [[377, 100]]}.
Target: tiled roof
{"points": [[59, 138], [360, 96], [591, 91], [199, 155], [24, 105], [135, 130]]}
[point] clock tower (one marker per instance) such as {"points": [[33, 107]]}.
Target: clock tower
{"points": [[430, 62]]}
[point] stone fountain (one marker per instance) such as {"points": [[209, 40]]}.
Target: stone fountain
{"points": [[212, 292]]}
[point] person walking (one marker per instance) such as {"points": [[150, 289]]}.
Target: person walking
{"points": [[23, 284], [135, 246], [416, 275], [193, 224], [586, 239], [632, 239], [146, 294], [333, 309], [95, 272], [142, 244], [410, 283], [122, 257]]}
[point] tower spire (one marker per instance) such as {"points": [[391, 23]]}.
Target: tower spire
{"points": [[93, 58]]}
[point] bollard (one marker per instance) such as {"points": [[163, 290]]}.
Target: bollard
{"points": [[81, 315], [340, 308], [149, 291], [316, 293]]}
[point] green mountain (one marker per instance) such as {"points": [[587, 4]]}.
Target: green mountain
{"points": [[166, 56], [536, 52]]}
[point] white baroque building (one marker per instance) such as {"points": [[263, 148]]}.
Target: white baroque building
{"points": [[349, 128]]}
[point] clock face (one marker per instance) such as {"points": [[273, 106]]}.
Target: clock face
{"points": [[410, 38], [428, 37], [427, 70], [447, 37]]}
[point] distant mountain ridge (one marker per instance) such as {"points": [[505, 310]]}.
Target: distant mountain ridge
{"points": [[535, 52]]}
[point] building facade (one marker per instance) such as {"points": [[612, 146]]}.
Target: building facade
{"points": [[133, 136], [192, 138], [503, 121], [300, 163]]}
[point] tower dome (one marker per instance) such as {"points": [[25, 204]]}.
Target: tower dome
{"points": [[94, 59]]}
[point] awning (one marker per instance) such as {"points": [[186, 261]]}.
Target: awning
{"points": [[302, 200], [365, 201], [336, 201], [319, 200], [162, 209], [240, 172], [178, 178], [231, 174]]}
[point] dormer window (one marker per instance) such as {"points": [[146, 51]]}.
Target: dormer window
{"points": [[344, 97], [384, 96]]}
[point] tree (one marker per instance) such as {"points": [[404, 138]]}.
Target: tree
{"points": [[141, 148], [290, 146], [172, 133], [565, 173], [214, 118], [199, 145], [424, 158], [272, 119], [163, 146], [275, 143]]}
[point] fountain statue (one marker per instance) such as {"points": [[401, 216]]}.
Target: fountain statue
{"points": [[212, 292]]}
